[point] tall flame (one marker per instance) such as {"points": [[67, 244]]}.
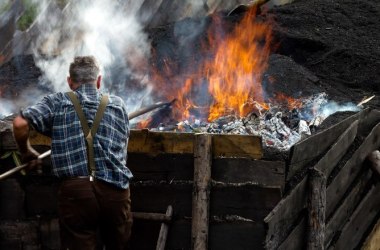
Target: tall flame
{"points": [[232, 74]]}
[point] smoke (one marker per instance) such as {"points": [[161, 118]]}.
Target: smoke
{"points": [[108, 30]]}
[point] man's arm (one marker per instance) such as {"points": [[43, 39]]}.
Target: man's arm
{"points": [[21, 135]]}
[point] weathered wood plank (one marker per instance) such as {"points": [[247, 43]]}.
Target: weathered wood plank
{"points": [[360, 220], [316, 209], [282, 218], [305, 151], [344, 211], [348, 173], [201, 191], [144, 141], [237, 170], [163, 167], [248, 200], [338, 150], [368, 119], [296, 239]]}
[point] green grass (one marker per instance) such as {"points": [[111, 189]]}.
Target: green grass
{"points": [[28, 16]]}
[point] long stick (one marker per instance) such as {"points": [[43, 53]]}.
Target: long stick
{"points": [[131, 116], [16, 169]]}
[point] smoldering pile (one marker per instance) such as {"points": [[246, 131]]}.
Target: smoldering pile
{"points": [[278, 126]]}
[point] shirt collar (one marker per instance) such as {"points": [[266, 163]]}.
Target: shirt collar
{"points": [[87, 89]]}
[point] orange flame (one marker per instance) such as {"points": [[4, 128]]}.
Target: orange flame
{"points": [[233, 74]]}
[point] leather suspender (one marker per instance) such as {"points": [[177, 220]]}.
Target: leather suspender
{"points": [[89, 133]]}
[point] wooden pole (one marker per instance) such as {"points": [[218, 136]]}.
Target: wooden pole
{"points": [[151, 216], [316, 210], [201, 191], [161, 242]]}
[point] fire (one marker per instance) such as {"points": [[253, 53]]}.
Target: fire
{"points": [[230, 78]]}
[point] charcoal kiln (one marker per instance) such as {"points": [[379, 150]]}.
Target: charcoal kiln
{"points": [[272, 171]]}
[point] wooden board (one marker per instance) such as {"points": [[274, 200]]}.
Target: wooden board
{"points": [[361, 219], [348, 173], [248, 200], [283, 217], [163, 167], [296, 239], [237, 170], [305, 151], [344, 211], [338, 150], [154, 143]]}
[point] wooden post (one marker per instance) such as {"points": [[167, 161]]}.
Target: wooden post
{"points": [[316, 210], [201, 191], [161, 242]]}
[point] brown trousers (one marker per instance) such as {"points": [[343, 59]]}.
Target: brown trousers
{"points": [[88, 209]]}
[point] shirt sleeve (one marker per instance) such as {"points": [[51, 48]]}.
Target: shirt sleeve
{"points": [[41, 115]]}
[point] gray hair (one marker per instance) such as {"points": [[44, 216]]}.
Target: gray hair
{"points": [[84, 69]]}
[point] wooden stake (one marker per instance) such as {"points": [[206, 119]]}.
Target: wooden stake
{"points": [[316, 210], [161, 242], [201, 191]]}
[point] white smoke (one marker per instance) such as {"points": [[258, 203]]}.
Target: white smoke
{"points": [[108, 30]]}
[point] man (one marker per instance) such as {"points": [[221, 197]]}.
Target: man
{"points": [[89, 140]]}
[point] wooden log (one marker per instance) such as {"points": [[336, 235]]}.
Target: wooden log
{"points": [[284, 216], [296, 239], [361, 219], [305, 151], [316, 209], [201, 191], [151, 216], [350, 170], [161, 242], [338, 150], [342, 214]]}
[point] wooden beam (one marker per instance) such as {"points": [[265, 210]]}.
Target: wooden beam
{"points": [[344, 211], [341, 182], [305, 151], [361, 219], [201, 191], [151, 216], [316, 210], [338, 150], [296, 239], [283, 217]]}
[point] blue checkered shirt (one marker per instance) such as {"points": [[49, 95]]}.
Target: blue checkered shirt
{"points": [[56, 117]]}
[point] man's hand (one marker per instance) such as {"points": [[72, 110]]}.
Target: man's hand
{"points": [[30, 157]]}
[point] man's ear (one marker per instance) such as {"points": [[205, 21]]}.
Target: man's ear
{"points": [[70, 82], [98, 81]]}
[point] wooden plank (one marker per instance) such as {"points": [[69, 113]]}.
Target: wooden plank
{"points": [[368, 120], [201, 191], [162, 237], [373, 240], [237, 146], [344, 211], [282, 218], [296, 239], [154, 143], [360, 220], [237, 170], [305, 151], [144, 141], [338, 150], [163, 167], [350, 170], [248, 200], [316, 209]]}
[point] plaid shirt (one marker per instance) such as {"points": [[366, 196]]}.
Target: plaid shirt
{"points": [[56, 117]]}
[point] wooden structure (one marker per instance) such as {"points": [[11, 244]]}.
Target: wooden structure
{"points": [[225, 192]]}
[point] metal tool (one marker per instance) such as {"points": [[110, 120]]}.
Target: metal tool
{"points": [[130, 115]]}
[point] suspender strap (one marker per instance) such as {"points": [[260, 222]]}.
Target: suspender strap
{"points": [[89, 133]]}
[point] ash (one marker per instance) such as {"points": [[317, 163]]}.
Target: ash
{"points": [[279, 127]]}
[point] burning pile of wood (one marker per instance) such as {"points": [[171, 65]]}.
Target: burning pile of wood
{"points": [[278, 126]]}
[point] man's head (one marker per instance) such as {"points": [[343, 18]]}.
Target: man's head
{"points": [[84, 69]]}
